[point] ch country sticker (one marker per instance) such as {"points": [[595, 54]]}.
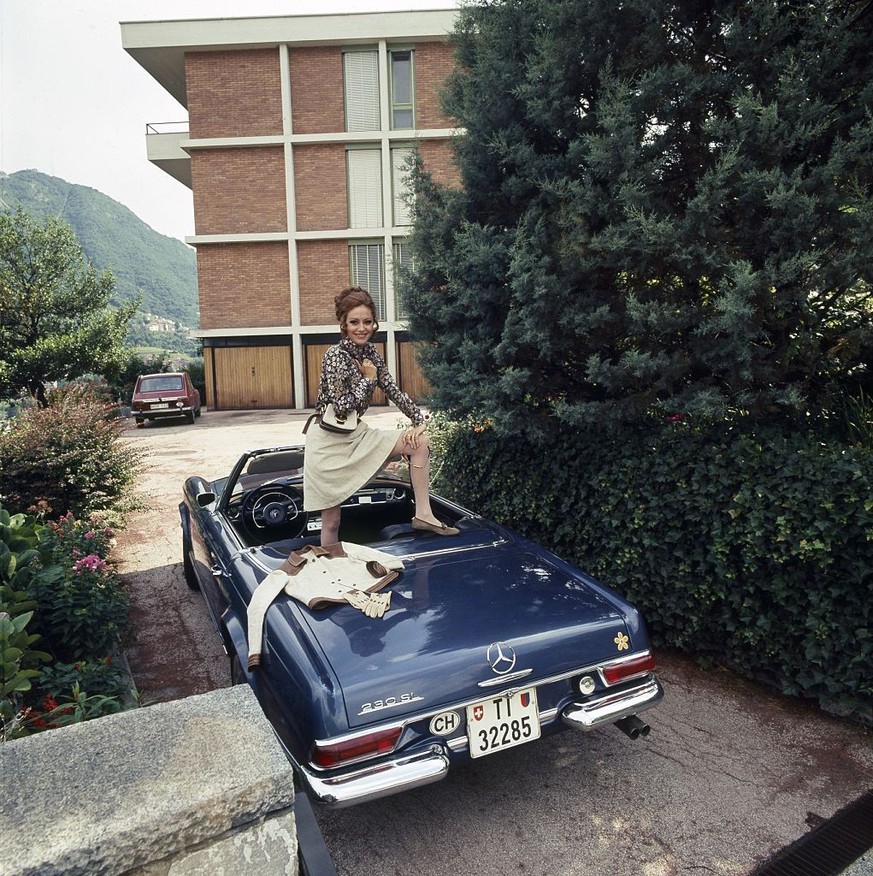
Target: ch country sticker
{"points": [[622, 641]]}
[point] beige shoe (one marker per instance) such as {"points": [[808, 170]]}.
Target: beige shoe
{"points": [[440, 529]]}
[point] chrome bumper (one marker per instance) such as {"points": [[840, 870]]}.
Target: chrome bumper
{"points": [[379, 780], [415, 771], [610, 708]]}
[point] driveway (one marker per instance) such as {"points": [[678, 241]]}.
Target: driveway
{"points": [[730, 773]]}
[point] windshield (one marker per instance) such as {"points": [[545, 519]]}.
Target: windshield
{"points": [[162, 383]]}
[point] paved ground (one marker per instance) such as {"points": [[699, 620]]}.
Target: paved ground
{"points": [[730, 774]]}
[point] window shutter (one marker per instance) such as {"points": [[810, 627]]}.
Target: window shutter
{"points": [[368, 270], [400, 185], [365, 188], [361, 71]]}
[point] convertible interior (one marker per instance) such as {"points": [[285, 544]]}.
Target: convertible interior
{"points": [[265, 505]]}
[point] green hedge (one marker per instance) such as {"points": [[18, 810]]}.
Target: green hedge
{"points": [[741, 545]]}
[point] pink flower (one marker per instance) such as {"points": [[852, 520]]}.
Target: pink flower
{"points": [[89, 534], [91, 563]]}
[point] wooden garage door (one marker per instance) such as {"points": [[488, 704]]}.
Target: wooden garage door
{"points": [[250, 378], [314, 355], [409, 374]]}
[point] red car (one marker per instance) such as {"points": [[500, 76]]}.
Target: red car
{"points": [[165, 395]]}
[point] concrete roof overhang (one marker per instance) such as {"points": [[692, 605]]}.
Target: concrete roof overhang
{"points": [[160, 46]]}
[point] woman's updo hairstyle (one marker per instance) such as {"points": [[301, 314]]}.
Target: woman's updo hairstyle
{"points": [[347, 300]]}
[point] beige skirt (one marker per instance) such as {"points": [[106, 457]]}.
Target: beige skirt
{"points": [[337, 466]]}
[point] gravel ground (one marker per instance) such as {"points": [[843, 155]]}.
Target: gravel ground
{"points": [[730, 774]]}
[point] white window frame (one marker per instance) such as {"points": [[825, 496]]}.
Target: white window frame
{"points": [[395, 107]]}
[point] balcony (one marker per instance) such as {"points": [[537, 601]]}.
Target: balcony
{"points": [[164, 149]]}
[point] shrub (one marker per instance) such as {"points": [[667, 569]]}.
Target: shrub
{"points": [[57, 591], [86, 613], [68, 457], [740, 544], [18, 659], [196, 369]]}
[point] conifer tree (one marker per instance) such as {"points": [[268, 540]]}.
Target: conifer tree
{"points": [[666, 208]]}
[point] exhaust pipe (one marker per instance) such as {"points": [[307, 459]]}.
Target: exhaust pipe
{"points": [[633, 727]]}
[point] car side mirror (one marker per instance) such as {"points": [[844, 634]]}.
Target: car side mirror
{"points": [[204, 499]]}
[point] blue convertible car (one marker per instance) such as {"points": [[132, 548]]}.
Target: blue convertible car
{"points": [[484, 641]]}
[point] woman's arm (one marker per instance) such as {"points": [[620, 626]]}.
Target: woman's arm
{"points": [[388, 385], [347, 388]]}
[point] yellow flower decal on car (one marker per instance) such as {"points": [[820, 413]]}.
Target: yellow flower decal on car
{"points": [[622, 641]]}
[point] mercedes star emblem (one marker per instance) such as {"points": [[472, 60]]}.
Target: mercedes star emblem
{"points": [[501, 657]]}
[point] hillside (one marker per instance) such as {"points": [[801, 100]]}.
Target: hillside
{"points": [[161, 268]]}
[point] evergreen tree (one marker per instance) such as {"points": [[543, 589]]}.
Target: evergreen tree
{"points": [[666, 208], [55, 322]]}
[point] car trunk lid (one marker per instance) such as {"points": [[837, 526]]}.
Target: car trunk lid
{"points": [[431, 649]]}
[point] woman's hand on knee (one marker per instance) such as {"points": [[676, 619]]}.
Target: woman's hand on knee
{"points": [[412, 437]]}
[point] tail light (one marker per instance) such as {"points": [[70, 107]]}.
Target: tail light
{"points": [[333, 754], [630, 668]]}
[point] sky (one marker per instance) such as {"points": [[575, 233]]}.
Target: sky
{"points": [[74, 104]]}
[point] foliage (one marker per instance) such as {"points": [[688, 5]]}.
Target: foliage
{"points": [[104, 677], [54, 308], [18, 659], [140, 337], [857, 418], [741, 544], [87, 612], [70, 602], [68, 457], [665, 207], [162, 270], [197, 373], [123, 380]]}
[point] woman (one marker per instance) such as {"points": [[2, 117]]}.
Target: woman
{"points": [[338, 464]]}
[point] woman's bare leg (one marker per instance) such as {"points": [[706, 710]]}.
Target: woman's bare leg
{"points": [[419, 474], [330, 524]]}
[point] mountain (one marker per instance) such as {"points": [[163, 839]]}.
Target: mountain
{"points": [[162, 268]]}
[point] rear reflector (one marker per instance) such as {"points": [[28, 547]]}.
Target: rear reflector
{"points": [[629, 668], [331, 754]]}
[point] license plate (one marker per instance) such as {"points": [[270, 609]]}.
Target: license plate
{"points": [[502, 722], [160, 406], [313, 525]]}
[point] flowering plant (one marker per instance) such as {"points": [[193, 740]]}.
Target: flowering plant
{"points": [[85, 613]]}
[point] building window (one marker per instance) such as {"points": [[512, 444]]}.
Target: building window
{"points": [[402, 262], [402, 115], [400, 184], [361, 83], [364, 167], [367, 269]]}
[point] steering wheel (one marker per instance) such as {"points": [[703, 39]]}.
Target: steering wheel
{"points": [[274, 511]]}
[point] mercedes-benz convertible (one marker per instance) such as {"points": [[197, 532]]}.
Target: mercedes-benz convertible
{"points": [[400, 654]]}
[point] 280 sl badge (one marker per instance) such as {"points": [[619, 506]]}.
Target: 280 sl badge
{"points": [[389, 703]]}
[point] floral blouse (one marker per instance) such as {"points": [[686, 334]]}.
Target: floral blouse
{"points": [[342, 384]]}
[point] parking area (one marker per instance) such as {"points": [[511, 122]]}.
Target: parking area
{"points": [[730, 773]]}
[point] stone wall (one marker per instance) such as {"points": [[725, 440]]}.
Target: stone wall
{"points": [[199, 785]]}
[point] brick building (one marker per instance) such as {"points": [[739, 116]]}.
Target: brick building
{"points": [[298, 128]]}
